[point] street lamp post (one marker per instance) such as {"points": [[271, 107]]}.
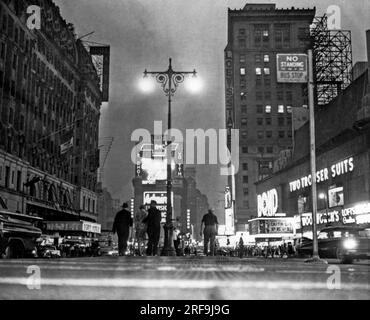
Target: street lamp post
{"points": [[169, 80]]}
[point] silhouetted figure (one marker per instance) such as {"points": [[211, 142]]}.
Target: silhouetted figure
{"points": [[210, 231], [122, 223], [153, 221]]}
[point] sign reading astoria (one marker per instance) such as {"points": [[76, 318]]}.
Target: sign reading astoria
{"points": [[292, 68]]}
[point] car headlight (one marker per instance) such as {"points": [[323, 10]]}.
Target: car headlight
{"points": [[350, 244]]}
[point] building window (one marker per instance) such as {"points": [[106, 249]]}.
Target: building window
{"points": [[246, 191], [289, 95], [281, 134], [268, 95], [245, 179], [261, 150], [267, 81], [242, 59], [257, 58], [2, 50], [244, 109], [244, 121], [242, 71], [289, 109], [242, 43], [269, 149], [281, 121], [242, 32], [280, 95], [266, 71], [259, 121], [258, 95], [289, 121], [268, 134], [268, 109], [245, 166], [244, 134], [280, 108], [258, 71], [266, 58], [244, 149], [258, 82], [15, 60], [259, 108], [289, 134], [260, 134], [268, 121]]}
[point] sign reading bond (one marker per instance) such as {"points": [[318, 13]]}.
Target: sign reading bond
{"points": [[292, 68]]}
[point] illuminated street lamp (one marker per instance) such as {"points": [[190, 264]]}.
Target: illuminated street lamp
{"points": [[169, 81]]}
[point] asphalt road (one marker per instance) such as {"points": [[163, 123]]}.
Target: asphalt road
{"points": [[181, 278]]}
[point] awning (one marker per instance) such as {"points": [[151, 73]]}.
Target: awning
{"points": [[83, 226]]}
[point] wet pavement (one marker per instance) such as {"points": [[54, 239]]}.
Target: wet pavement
{"points": [[182, 278]]}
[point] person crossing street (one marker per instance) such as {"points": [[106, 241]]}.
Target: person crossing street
{"points": [[210, 231]]}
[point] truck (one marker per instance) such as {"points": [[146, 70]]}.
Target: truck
{"points": [[18, 235]]}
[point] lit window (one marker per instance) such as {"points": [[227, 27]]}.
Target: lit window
{"points": [[268, 109], [266, 58], [280, 108], [242, 71], [258, 71], [265, 33], [266, 70], [289, 109]]}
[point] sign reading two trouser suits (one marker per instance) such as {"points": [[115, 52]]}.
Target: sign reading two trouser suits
{"points": [[292, 68]]}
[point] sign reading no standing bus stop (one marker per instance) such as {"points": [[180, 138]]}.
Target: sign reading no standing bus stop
{"points": [[292, 68]]}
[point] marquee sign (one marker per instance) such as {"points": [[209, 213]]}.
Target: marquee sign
{"points": [[335, 170], [267, 203]]}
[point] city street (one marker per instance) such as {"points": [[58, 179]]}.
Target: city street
{"points": [[178, 278]]}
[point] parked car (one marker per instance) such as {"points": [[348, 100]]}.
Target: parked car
{"points": [[49, 252], [18, 234], [344, 243]]}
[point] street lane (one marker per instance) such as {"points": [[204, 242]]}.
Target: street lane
{"points": [[173, 278]]}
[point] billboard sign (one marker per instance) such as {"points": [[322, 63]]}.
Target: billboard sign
{"points": [[161, 198], [292, 68]]}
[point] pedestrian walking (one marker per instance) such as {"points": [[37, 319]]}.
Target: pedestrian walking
{"points": [[241, 247], [140, 229], [153, 222], [176, 240], [121, 225], [210, 231]]}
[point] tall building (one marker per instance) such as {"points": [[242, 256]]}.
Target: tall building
{"points": [[50, 99], [262, 109]]}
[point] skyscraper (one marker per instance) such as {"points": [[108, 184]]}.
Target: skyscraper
{"points": [[256, 104]]}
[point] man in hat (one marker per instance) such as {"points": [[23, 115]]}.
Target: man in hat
{"points": [[210, 231], [153, 221], [122, 224]]}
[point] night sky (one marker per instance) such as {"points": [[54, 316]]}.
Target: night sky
{"points": [[144, 34]]}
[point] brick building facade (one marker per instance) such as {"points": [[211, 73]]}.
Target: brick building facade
{"points": [[50, 108]]}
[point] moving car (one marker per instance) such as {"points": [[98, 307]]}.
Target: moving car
{"points": [[49, 252], [18, 234], [344, 243]]}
